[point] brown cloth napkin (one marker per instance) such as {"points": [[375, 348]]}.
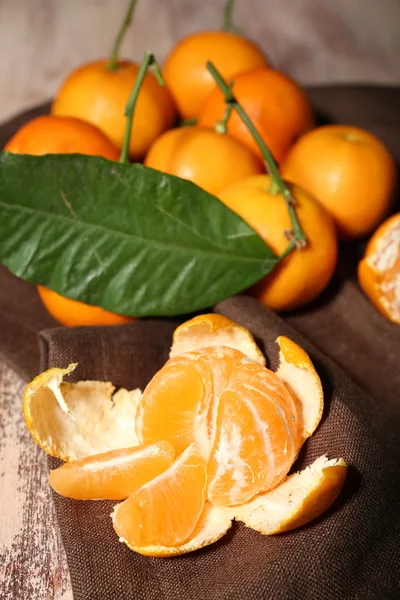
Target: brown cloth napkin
{"points": [[351, 552]]}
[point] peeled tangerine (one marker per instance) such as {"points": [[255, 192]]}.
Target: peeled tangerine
{"points": [[235, 426], [379, 270]]}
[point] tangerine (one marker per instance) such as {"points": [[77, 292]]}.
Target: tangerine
{"points": [[379, 270], [61, 135], [241, 416], [304, 273], [350, 171], [99, 95], [74, 313], [185, 71], [277, 106], [112, 475], [211, 160]]}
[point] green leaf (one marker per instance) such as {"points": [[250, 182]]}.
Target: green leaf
{"points": [[124, 237]]}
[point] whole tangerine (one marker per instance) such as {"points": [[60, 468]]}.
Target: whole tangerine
{"points": [[211, 160], [98, 95], [73, 313], [350, 171], [186, 74], [50, 134], [277, 106], [304, 273], [61, 135]]}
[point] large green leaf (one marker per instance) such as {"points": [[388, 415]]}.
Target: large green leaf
{"points": [[124, 237]]}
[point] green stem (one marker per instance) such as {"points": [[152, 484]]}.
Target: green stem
{"points": [[112, 63], [188, 122], [222, 125], [278, 186], [147, 61], [228, 24]]}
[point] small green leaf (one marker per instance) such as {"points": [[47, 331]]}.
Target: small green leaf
{"points": [[124, 237]]}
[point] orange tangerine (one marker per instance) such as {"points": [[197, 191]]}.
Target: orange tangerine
{"points": [[74, 313], [99, 95], [185, 71], [211, 160], [112, 475], [240, 415], [379, 270], [49, 134]]}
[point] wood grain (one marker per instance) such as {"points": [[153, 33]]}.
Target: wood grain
{"points": [[32, 558], [316, 41]]}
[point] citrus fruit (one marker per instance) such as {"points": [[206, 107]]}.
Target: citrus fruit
{"points": [[299, 499], [211, 160], [99, 95], [379, 270], [349, 170], [165, 511], [240, 415], [75, 420], [112, 475], [73, 313], [277, 106], [214, 330], [185, 71], [303, 274], [61, 135], [212, 525]]}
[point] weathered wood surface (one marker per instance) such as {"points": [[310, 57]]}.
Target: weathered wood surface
{"points": [[316, 41], [32, 559]]}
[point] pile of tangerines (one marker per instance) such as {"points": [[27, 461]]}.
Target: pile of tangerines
{"points": [[341, 177]]}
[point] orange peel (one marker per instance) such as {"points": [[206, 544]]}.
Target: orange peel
{"points": [[299, 499], [74, 420], [379, 270], [297, 372], [214, 330]]}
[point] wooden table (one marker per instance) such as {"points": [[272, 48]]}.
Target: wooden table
{"points": [[32, 558]]}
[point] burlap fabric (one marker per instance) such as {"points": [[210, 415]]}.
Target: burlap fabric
{"points": [[351, 552]]}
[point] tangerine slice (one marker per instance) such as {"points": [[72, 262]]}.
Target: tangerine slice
{"points": [[112, 475], [258, 437], [212, 525], [214, 330], [379, 270], [165, 511]]}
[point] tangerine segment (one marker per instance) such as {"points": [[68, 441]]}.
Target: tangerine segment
{"points": [[112, 475], [379, 271], [258, 437], [214, 330], [239, 464], [165, 511], [213, 524]]}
